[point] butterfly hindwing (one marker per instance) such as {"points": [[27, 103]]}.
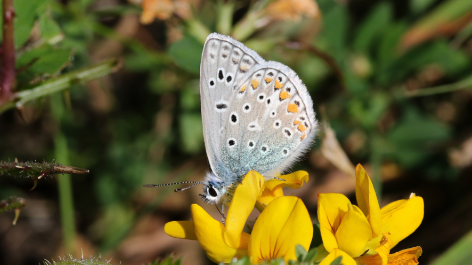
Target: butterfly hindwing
{"points": [[277, 128]]}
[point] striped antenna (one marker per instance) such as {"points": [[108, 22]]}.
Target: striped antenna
{"points": [[176, 183], [182, 189]]}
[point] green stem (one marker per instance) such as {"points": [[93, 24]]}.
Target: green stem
{"points": [[62, 82], [463, 84], [247, 26], [198, 30], [65, 196], [225, 17], [376, 163]]}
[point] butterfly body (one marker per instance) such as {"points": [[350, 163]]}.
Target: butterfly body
{"points": [[257, 115]]}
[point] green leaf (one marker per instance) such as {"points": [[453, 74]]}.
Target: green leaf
{"points": [[187, 53], [452, 61], [458, 254], [300, 252], [418, 6], [414, 138], [51, 62], [317, 240], [337, 261], [190, 96], [48, 27], [419, 132], [191, 132], [376, 22], [335, 30], [241, 261], [310, 257], [388, 43], [368, 111]]}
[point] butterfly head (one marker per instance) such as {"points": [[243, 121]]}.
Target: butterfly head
{"points": [[213, 189]]}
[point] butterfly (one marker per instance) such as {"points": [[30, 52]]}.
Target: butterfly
{"points": [[257, 115]]}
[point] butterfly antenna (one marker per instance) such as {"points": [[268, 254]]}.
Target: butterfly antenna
{"points": [[186, 188], [176, 183]]}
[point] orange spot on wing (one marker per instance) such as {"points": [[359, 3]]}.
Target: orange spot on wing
{"points": [[301, 127], [284, 95], [296, 122], [243, 88], [268, 80], [277, 84], [292, 107], [303, 136], [254, 83]]}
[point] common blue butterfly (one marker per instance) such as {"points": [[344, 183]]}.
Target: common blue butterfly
{"points": [[257, 115]]}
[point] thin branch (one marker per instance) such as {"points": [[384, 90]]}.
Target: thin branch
{"points": [[61, 83], [463, 84], [8, 52], [322, 55]]}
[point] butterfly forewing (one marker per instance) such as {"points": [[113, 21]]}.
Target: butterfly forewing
{"points": [[257, 115], [225, 62]]}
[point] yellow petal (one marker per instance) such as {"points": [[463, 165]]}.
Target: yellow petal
{"points": [[354, 232], [402, 217], [209, 233], [241, 206], [405, 257], [274, 188], [367, 200], [331, 209], [294, 180], [347, 260], [284, 224], [181, 229], [268, 196]]}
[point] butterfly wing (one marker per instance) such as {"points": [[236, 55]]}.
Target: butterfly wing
{"points": [[225, 62], [257, 115], [276, 122]]}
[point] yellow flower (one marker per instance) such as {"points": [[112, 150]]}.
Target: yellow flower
{"points": [[285, 221], [405, 257], [351, 231], [274, 188], [284, 224]]}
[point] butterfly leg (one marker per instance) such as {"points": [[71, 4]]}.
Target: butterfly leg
{"points": [[279, 178], [222, 212], [240, 180]]}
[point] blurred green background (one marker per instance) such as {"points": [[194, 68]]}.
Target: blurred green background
{"points": [[393, 78]]}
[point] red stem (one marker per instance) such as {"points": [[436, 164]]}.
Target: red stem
{"points": [[7, 72]]}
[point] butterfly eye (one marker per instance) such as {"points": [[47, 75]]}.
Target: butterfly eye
{"points": [[211, 191]]}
